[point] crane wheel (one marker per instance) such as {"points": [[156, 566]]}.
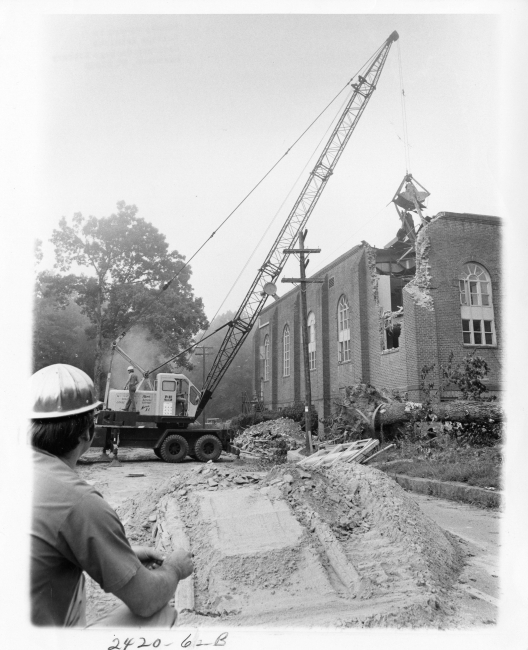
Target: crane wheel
{"points": [[207, 448], [174, 448]]}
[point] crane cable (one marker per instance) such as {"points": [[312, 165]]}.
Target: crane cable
{"points": [[277, 212], [174, 277], [189, 348], [169, 282], [404, 115], [207, 336]]}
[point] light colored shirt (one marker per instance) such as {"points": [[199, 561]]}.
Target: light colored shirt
{"points": [[132, 382], [73, 530]]}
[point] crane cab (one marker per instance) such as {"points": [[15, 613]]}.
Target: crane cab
{"points": [[173, 395]]}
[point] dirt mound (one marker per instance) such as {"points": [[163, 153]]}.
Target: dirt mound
{"points": [[271, 440], [343, 546], [385, 536]]}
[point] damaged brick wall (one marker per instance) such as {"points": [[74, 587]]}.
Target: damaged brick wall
{"points": [[388, 367], [455, 240], [431, 325], [420, 286], [420, 343]]}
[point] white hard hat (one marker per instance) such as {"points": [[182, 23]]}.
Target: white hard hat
{"points": [[130, 368], [60, 390]]}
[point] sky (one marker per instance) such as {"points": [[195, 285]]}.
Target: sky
{"points": [[182, 115]]}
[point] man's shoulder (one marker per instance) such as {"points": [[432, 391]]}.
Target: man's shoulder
{"points": [[53, 476]]}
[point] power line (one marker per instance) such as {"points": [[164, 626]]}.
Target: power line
{"points": [[279, 210], [167, 284]]}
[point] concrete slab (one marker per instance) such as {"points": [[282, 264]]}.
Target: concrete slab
{"points": [[245, 522]]}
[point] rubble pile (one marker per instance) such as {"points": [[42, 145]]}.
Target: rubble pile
{"points": [[141, 514], [271, 440], [212, 477]]}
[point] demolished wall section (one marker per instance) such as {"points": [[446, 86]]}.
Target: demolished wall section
{"points": [[370, 257], [419, 288]]}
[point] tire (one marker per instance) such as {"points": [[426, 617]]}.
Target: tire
{"points": [[174, 448], [157, 452], [207, 448]]}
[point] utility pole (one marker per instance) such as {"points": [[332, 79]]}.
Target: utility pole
{"points": [[302, 251], [203, 351]]}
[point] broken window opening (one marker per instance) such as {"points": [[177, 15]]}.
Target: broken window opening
{"points": [[392, 327], [393, 337]]}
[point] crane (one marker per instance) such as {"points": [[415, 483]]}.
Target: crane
{"points": [[264, 282], [165, 413]]}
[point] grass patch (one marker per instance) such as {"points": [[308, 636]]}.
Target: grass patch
{"points": [[480, 466]]}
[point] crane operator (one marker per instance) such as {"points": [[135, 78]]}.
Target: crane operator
{"points": [[131, 384]]}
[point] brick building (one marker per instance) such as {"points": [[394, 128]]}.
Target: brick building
{"points": [[381, 315]]}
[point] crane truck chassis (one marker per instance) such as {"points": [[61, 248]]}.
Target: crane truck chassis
{"points": [[161, 423]]}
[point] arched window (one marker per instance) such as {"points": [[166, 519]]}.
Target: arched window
{"points": [[266, 357], [286, 351], [343, 330], [476, 307], [311, 339]]}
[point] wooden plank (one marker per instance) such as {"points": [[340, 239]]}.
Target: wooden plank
{"points": [[345, 571], [362, 453], [316, 459], [343, 452], [378, 453], [177, 537], [334, 453]]}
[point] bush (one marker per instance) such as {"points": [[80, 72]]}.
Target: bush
{"points": [[466, 376], [475, 433], [244, 420], [295, 413]]}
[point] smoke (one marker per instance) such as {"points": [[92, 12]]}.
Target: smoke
{"points": [[142, 350]]}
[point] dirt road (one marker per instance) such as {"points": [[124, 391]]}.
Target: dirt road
{"points": [[479, 534], [283, 547]]}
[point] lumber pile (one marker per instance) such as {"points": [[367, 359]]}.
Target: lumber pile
{"points": [[353, 451]]}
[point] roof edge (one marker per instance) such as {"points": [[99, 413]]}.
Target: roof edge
{"points": [[324, 270], [468, 216]]}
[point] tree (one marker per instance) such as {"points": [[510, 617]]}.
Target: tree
{"points": [[59, 336], [131, 279]]}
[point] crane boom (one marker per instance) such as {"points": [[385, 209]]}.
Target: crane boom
{"points": [[253, 303]]}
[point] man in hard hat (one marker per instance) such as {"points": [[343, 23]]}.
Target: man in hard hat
{"points": [[181, 403], [131, 384], [74, 530]]}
